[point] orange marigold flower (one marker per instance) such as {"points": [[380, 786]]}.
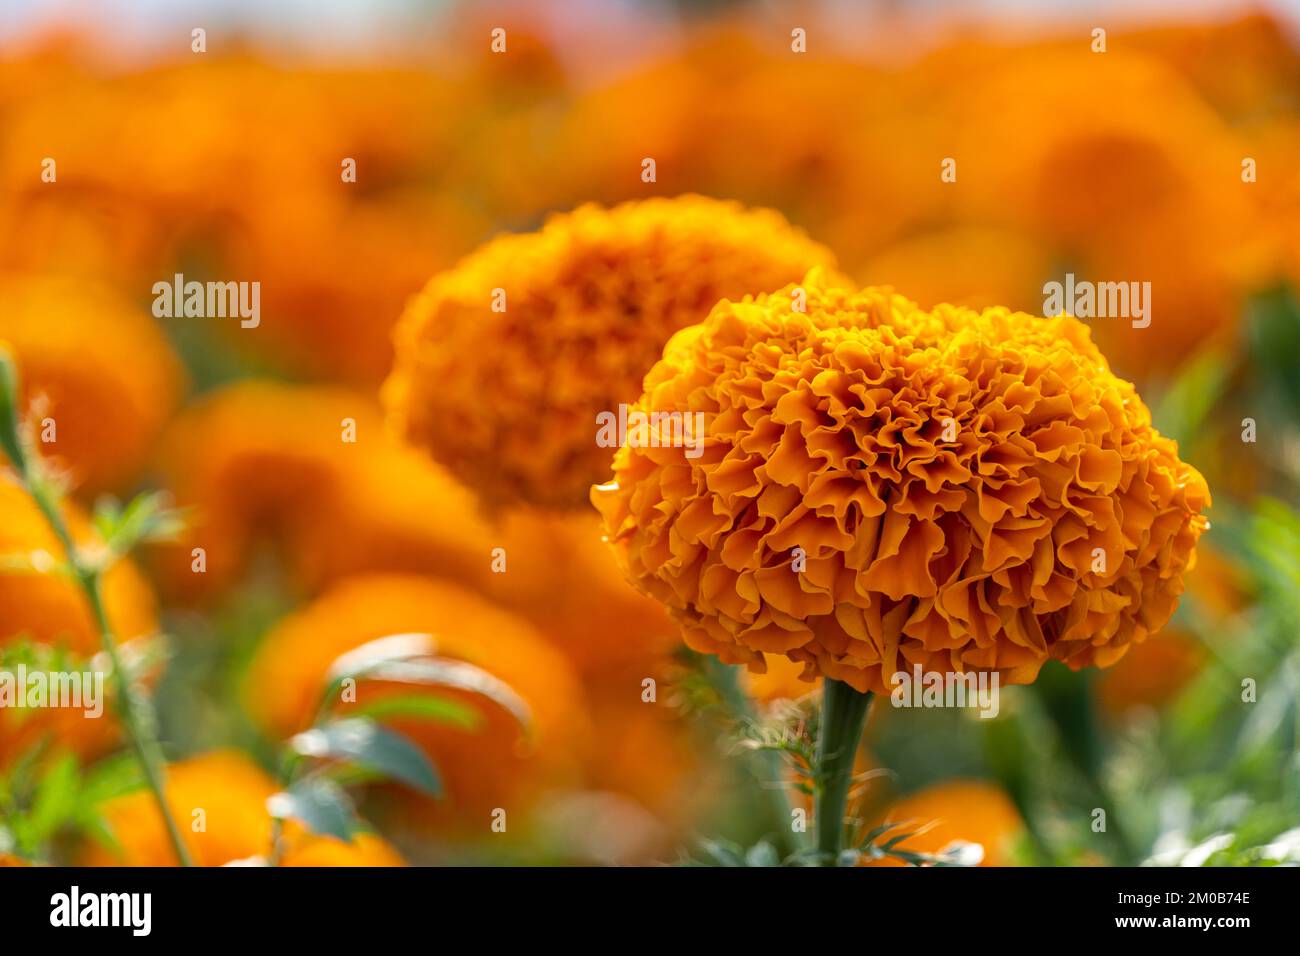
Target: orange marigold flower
{"points": [[50, 609], [975, 266], [262, 462], [504, 362], [495, 764], [231, 791], [883, 487], [1116, 193], [1156, 671], [1153, 674], [581, 603], [966, 811], [781, 681], [648, 753], [102, 370]]}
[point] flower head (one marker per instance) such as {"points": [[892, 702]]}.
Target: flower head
{"points": [[883, 487], [956, 811], [504, 362], [263, 462], [231, 791], [498, 761], [101, 371]]}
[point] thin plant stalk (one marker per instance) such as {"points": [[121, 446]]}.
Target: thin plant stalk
{"points": [[88, 577], [844, 715]]}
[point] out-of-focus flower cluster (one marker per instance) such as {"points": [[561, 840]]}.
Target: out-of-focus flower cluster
{"points": [[228, 167], [562, 324]]}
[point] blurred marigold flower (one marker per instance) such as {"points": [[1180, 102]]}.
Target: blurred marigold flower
{"points": [[967, 811], [974, 266], [102, 370], [650, 753], [1115, 193], [508, 399], [1241, 66], [1153, 673], [496, 763], [967, 491], [1158, 669], [581, 603], [231, 791], [336, 274], [781, 681], [262, 463], [50, 609]]}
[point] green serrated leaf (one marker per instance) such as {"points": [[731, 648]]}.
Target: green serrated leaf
{"points": [[147, 517], [361, 741], [318, 803], [440, 710]]}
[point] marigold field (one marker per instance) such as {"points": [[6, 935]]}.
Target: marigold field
{"points": [[709, 434]]}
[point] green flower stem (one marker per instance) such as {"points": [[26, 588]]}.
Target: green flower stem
{"points": [[844, 714], [88, 577], [145, 746]]}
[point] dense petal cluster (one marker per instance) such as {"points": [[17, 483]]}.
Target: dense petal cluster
{"points": [[883, 487], [504, 362]]}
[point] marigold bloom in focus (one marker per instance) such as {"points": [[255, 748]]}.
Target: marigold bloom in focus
{"points": [[968, 492], [508, 399], [969, 811], [102, 370], [231, 791], [50, 609], [495, 764]]}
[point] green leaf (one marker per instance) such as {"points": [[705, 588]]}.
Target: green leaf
{"points": [[318, 803], [443, 672], [439, 710], [112, 777], [10, 441], [722, 852], [55, 800], [1193, 395], [147, 517], [356, 662], [361, 741], [762, 854], [1273, 325]]}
